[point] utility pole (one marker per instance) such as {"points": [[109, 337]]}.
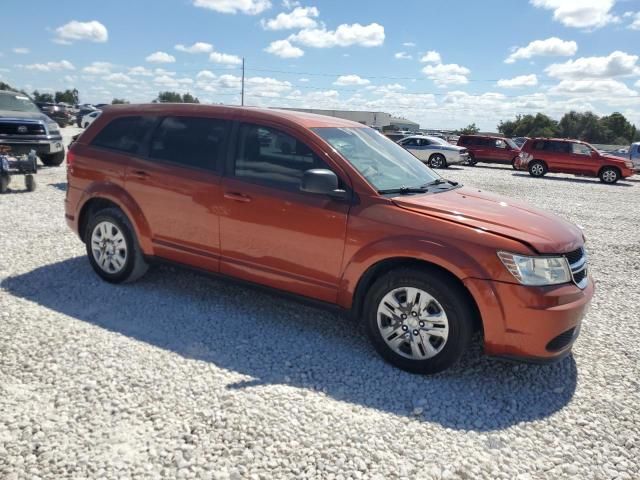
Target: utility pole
{"points": [[242, 94]]}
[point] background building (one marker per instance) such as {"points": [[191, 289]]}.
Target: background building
{"points": [[379, 120]]}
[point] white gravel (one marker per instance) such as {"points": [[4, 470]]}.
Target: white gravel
{"points": [[183, 376]]}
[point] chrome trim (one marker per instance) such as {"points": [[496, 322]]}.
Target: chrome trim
{"points": [[578, 267]]}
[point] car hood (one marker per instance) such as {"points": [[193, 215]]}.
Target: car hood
{"points": [[11, 114], [543, 231]]}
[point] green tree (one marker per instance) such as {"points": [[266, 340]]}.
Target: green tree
{"points": [[6, 86], [68, 96], [119, 101], [539, 125], [42, 97], [619, 127], [175, 97], [471, 129]]}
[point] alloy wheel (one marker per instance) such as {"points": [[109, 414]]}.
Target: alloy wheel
{"points": [[412, 323], [109, 247]]}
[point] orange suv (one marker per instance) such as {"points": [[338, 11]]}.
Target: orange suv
{"points": [[330, 210], [542, 155]]}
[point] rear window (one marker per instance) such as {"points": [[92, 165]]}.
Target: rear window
{"points": [[190, 141], [125, 134]]}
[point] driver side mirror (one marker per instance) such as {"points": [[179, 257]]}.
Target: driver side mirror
{"points": [[323, 182]]}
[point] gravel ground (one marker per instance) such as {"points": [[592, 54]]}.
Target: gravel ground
{"points": [[183, 376]]}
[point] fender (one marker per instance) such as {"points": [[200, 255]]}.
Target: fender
{"points": [[119, 196], [432, 251]]}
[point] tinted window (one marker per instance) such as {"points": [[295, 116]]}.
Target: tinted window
{"points": [[125, 134], [191, 141], [580, 149], [268, 156], [411, 142]]}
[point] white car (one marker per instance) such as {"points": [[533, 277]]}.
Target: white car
{"points": [[89, 118], [434, 151]]}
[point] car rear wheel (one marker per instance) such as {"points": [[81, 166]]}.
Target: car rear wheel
{"points": [[437, 161], [52, 159], [537, 168], [472, 160], [112, 247], [609, 175], [418, 320]]}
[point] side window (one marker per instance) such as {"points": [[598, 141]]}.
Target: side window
{"points": [[190, 141], [500, 144], [411, 142], [580, 149], [466, 141], [124, 134], [269, 157], [539, 145]]}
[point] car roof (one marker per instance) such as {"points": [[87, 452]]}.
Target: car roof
{"points": [[483, 136], [304, 119]]}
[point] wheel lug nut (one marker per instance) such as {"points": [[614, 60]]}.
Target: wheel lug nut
{"points": [[415, 332], [414, 314], [421, 324], [405, 328], [403, 316]]}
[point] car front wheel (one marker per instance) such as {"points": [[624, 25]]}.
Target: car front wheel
{"points": [[112, 247], [418, 320], [609, 175]]}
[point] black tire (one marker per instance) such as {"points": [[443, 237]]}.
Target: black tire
{"points": [[52, 159], [437, 160], [4, 183], [30, 183], [135, 265], [609, 175], [472, 160], [537, 168], [448, 294]]}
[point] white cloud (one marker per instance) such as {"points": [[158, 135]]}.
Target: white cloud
{"points": [[348, 80], [635, 24], [607, 88], [284, 49], [140, 71], [431, 57], [172, 82], [450, 74], [225, 58], [299, 17], [92, 31], [118, 78], [345, 35], [617, 64], [518, 82], [248, 7], [289, 4], [303, 80], [409, 44], [551, 47], [160, 57], [21, 50], [589, 14], [198, 47], [98, 68], [255, 86], [403, 56], [51, 66]]}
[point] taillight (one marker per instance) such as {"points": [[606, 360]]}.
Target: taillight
{"points": [[71, 156]]}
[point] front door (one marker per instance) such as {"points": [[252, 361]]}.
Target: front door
{"points": [[271, 232], [177, 186]]}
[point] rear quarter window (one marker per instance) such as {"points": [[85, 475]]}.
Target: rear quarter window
{"points": [[125, 134]]}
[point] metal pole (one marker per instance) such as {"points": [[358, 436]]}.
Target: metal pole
{"points": [[242, 96]]}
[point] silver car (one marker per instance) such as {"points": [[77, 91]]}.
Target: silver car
{"points": [[434, 151]]}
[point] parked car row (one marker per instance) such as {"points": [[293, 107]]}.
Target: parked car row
{"points": [[538, 156]]}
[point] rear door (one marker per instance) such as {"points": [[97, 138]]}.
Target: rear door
{"points": [[177, 186], [271, 232]]}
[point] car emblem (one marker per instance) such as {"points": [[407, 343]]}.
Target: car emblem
{"points": [[22, 129]]}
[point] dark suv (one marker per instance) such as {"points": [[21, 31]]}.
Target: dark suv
{"points": [[23, 127], [488, 149], [59, 113]]}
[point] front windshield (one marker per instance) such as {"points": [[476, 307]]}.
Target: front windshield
{"points": [[16, 102], [511, 143], [384, 163]]}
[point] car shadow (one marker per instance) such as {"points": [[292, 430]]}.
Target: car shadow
{"points": [[62, 186], [620, 183], [494, 166], [276, 341]]}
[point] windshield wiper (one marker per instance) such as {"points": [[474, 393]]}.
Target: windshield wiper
{"points": [[404, 190], [441, 181]]}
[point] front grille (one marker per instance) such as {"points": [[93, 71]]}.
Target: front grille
{"points": [[11, 128], [561, 340], [578, 263]]}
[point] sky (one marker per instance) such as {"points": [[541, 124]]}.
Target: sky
{"points": [[441, 64]]}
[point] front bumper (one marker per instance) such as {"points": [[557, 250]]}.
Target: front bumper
{"points": [[41, 146], [530, 323]]}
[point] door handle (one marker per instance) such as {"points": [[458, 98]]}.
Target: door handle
{"points": [[237, 197], [140, 174]]}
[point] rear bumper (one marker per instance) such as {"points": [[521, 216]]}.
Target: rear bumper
{"points": [[530, 323]]}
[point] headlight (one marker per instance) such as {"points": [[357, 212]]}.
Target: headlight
{"points": [[537, 271], [53, 127]]}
